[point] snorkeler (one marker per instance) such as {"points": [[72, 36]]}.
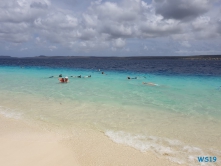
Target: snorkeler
{"points": [[150, 84], [87, 76], [131, 78], [60, 75], [77, 76], [103, 73]]}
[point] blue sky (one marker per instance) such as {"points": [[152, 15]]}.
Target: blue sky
{"points": [[110, 28]]}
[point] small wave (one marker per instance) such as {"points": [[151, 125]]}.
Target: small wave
{"points": [[9, 113], [174, 150]]}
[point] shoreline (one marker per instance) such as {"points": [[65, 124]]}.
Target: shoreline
{"points": [[24, 144], [89, 144]]}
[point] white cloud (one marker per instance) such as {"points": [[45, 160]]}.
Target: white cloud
{"points": [[119, 43], [107, 25], [201, 22]]}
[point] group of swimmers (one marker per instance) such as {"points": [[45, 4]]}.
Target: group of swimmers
{"points": [[66, 80]]}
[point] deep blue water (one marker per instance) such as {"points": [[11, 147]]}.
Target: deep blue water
{"points": [[153, 66]]}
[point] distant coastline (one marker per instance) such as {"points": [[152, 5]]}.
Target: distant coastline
{"points": [[208, 57]]}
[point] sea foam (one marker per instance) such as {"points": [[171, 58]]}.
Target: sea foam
{"points": [[9, 113], [174, 150]]}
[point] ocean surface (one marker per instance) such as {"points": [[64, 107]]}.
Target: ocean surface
{"points": [[179, 119]]}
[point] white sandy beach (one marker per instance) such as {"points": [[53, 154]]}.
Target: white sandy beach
{"points": [[24, 144]]}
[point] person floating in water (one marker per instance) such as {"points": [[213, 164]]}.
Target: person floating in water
{"points": [[103, 73], [77, 76], [131, 78], [60, 75], [63, 80], [150, 84], [66, 79], [87, 76]]}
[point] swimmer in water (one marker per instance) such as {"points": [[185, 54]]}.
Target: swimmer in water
{"points": [[103, 73], [66, 79], [131, 78], [63, 80], [77, 76], [87, 76], [60, 75], [150, 84]]}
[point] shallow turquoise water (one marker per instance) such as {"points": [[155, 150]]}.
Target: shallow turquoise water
{"points": [[188, 95], [144, 117]]}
